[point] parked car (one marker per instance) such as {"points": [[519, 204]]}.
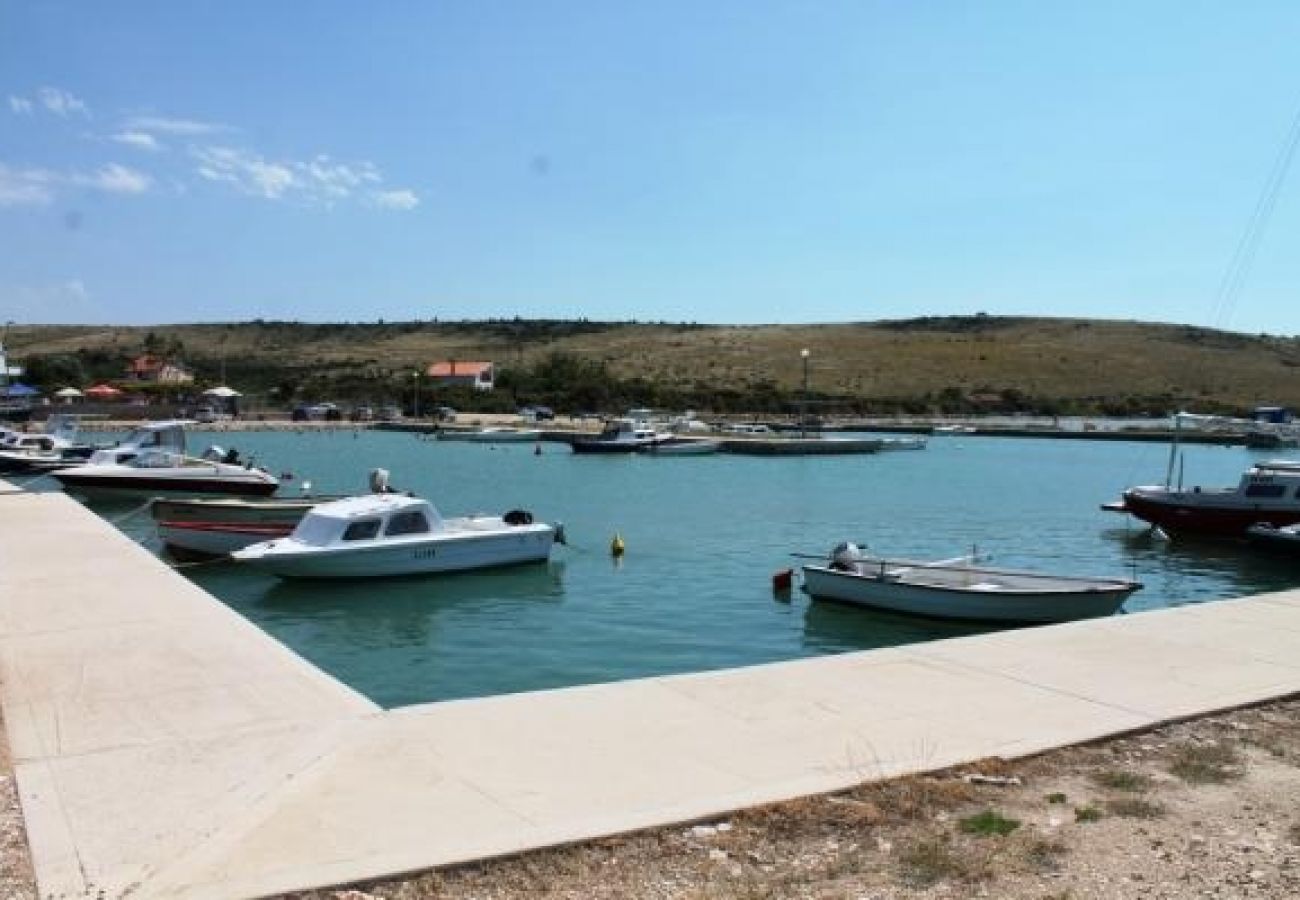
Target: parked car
{"points": [[205, 414], [388, 413], [444, 414], [362, 414]]}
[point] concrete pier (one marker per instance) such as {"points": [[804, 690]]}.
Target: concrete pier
{"points": [[165, 747]]}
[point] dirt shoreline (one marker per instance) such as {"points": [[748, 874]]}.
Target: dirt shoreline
{"points": [[1209, 807]]}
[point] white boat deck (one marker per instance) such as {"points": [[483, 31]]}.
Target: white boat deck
{"points": [[164, 747]]}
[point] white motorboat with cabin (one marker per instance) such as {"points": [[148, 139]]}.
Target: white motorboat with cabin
{"points": [[677, 445], [152, 461], [622, 435], [959, 589], [380, 535]]}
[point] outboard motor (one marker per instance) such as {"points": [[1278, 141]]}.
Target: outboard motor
{"points": [[846, 557], [214, 454], [379, 482]]}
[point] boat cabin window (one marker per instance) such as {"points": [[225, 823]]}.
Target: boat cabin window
{"points": [[361, 531], [1265, 490], [412, 522]]}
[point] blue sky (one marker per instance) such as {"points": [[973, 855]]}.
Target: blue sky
{"points": [[716, 162]]}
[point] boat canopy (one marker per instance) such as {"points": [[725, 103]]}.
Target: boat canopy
{"points": [[367, 518]]}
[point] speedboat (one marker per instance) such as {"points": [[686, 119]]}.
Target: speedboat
{"points": [[379, 535], [959, 589], [152, 461], [496, 435], [55, 448], [682, 446], [622, 435], [1268, 492]]}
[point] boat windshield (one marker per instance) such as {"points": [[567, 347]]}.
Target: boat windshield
{"points": [[168, 438]]}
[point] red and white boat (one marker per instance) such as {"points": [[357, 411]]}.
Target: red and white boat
{"points": [[1269, 492], [217, 526]]}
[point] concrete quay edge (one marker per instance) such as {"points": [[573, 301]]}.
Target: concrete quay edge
{"points": [[165, 747]]}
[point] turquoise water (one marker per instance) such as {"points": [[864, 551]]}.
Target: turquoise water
{"points": [[704, 536]]}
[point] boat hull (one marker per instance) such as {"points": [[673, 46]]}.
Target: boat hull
{"points": [[424, 556], [683, 447], [217, 538], [598, 446], [108, 486], [237, 510], [1277, 540], [1203, 513], [976, 601]]}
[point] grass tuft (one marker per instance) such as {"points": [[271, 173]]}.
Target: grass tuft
{"points": [[927, 862], [989, 822], [1117, 780], [1057, 797], [1087, 813], [1206, 763], [1135, 808]]}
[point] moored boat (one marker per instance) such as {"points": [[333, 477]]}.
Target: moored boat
{"points": [[216, 526], [504, 435], [622, 435], [682, 446], [959, 589], [152, 461], [1268, 492], [381, 535], [1284, 540]]}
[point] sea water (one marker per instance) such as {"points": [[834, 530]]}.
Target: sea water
{"points": [[704, 535]]}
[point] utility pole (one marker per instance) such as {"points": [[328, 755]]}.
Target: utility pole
{"points": [[803, 405]]}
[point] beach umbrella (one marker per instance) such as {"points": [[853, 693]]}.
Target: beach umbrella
{"points": [[68, 392], [223, 392], [21, 390], [103, 391]]}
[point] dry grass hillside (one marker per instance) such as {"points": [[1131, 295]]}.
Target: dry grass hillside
{"points": [[1059, 358]]}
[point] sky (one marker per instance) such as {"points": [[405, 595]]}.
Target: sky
{"points": [[732, 161]]}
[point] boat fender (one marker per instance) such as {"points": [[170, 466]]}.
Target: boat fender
{"points": [[782, 581], [518, 517], [617, 547], [561, 537]]}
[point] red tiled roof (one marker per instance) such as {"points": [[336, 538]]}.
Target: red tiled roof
{"points": [[458, 368]]}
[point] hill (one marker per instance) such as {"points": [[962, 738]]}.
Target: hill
{"points": [[935, 363]]}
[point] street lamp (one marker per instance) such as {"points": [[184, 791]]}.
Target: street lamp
{"points": [[803, 406], [415, 394]]}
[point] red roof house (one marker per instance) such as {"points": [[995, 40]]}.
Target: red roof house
{"points": [[478, 375]]}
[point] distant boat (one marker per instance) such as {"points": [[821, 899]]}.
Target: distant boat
{"points": [[1285, 539], [954, 429], [959, 589], [622, 435], [380, 535], [682, 446], [504, 435], [888, 444]]}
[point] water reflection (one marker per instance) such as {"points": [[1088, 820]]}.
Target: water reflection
{"points": [[1192, 569], [831, 627]]}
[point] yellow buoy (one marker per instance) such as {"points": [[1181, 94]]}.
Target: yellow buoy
{"points": [[616, 546]]}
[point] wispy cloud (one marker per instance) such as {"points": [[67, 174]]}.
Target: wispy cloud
{"points": [[26, 187], [400, 199], [177, 127], [20, 105], [38, 187], [320, 180], [141, 140], [114, 179], [61, 103]]}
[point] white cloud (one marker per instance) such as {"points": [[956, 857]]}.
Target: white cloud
{"points": [[179, 127], [320, 180], [141, 140], [38, 187], [115, 179], [61, 102], [20, 105], [26, 187], [399, 199]]}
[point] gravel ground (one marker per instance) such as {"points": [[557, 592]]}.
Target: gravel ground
{"points": [[1206, 808]]}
